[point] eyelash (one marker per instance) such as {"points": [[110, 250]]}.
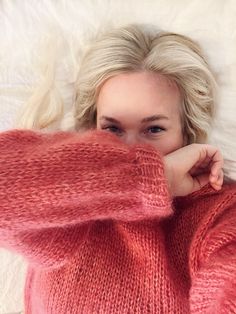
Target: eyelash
{"points": [[151, 127]]}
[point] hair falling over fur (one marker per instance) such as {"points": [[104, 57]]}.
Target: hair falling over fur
{"points": [[136, 48]]}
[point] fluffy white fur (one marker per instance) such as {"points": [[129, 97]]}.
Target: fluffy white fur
{"points": [[29, 28]]}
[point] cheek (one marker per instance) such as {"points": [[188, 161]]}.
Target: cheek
{"points": [[169, 144]]}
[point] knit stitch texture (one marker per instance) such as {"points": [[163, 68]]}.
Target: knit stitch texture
{"points": [[95, 220]]}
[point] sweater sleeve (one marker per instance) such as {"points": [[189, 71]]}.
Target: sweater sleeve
{"points": [[51, 183], [213, 287]]}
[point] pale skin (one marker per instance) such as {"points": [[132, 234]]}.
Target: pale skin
{"points": [[145, 107]]}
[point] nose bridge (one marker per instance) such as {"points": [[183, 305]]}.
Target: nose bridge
{"points": [[131, 138]]}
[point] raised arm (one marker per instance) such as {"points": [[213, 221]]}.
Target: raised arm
{"points": [[50, 183]]}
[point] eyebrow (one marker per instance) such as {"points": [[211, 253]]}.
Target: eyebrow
{"points": [[147, 119]]}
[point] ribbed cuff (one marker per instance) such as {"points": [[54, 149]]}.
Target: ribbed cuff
{"points": [[152, 182]]}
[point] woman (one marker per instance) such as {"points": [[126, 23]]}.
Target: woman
{"points": [[131, 222]]}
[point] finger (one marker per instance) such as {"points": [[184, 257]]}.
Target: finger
{"points": [[196, 154], [201, 167], [217, 164], [199, 181], [218, 182]]}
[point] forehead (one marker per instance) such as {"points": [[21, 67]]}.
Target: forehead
{"points": [[146, 91]]}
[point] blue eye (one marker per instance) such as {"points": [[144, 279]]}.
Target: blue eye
{"points": [[155, 129], [112, 129]]}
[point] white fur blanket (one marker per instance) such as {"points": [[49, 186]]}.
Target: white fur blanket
{"points": [[28, 26]]}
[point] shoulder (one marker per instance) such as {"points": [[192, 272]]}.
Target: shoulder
{"points": [[209, 197], [217, 227], [208, 209], [221, 207], [224, 200]]}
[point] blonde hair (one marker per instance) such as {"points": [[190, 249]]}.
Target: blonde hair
{"points": [[138, 48]]}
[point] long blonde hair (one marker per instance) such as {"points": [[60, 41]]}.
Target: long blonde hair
{"points": [[139, 48]]}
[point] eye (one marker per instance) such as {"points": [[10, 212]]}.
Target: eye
{"points": [[113, 129], [155, 129]]}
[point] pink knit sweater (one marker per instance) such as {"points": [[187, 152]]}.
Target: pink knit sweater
{"points": [[96, 223]]}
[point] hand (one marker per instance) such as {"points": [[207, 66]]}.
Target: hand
{"points": [[191, 167]]}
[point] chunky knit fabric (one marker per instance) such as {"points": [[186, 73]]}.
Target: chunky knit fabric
{"points": [[96, 223]]}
